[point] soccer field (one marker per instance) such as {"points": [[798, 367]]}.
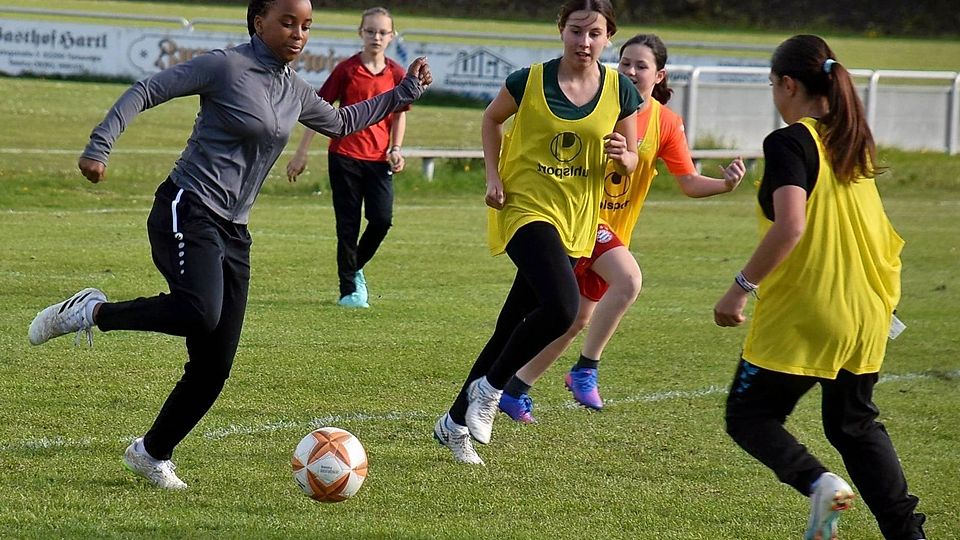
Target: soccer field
{"points": [[654, 464]]}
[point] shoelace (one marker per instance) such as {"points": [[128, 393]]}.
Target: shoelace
{"points": [[489, 405], [585, 380], [84, 328], [527, 403]]}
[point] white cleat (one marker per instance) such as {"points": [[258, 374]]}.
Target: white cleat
{"points": [[457, 439], [831, 495], [483, 402], [159, 472], [75, 314]]}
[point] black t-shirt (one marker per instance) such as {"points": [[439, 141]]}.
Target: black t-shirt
{"points": [[790, 159]]}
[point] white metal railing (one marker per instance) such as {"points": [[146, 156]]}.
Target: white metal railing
{"points": [[693, 76]]}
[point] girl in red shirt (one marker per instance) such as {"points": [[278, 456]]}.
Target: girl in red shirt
{"points": [[361, 164]]}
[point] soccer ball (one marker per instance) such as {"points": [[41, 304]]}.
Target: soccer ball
{"points": [[329, 464]]}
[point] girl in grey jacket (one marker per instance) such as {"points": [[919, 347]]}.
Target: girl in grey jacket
{"points": [[250, 100]]}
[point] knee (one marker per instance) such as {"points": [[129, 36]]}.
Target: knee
{"points": [[563, 316], [840, 433], [579, 323], [200, 317], [627, 290]]}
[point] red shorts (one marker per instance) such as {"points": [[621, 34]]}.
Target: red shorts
{"points": [[593, 286]]}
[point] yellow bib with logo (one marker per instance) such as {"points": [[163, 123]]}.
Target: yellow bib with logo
{"points": [[552, 169], [828, 306], [623, 196]]}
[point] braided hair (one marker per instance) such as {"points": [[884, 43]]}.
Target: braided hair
{"points": [[255, 9]]}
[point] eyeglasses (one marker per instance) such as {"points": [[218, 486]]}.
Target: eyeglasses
{"points": [[370, 32]]}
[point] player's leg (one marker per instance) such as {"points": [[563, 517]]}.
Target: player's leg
{"points": [[516, 401], [620, 273], [346, 188], [850, 424], [378, 209]]}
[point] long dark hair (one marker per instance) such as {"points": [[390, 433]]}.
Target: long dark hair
{"points": [[254, 9], [661, 91], [846, 135], [603, 7]]}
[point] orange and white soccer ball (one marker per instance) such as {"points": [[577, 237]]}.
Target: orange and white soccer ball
{"points": [[329, 464]]}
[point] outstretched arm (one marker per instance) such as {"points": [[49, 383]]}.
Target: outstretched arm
{"points": [[331, 121], [697, 185]]}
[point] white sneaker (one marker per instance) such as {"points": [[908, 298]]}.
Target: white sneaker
{"points": [[158, 471], [457, 439], [831, 495], [483, 401], [75, 314]]}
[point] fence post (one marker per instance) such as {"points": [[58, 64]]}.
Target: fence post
{"points": [[872, 91], [953, 125], [690, 121]]}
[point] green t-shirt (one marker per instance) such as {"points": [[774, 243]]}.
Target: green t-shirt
{"points": [[516, 82]]}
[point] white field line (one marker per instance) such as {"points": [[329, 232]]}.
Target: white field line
{"points": [[233, 430]]}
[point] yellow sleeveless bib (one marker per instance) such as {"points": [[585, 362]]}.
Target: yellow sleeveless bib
{"points": [[623, 196], [829, 304], [552, 169]]}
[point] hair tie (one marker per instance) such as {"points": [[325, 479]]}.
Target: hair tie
{"points": [[828, 65]]}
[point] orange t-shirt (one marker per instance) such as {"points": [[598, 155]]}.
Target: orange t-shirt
{"points": [[673, 150]]}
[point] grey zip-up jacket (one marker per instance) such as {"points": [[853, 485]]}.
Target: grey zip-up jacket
{"points": [[249, 103]]}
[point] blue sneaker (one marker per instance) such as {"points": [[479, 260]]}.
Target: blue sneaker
{"points": [[353, 300], [520, 409], [583, 383], [360, 284]]}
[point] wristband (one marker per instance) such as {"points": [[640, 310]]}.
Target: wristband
{"points": [[394, 149], [745, 284]]}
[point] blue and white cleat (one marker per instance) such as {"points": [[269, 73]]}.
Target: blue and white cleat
{"points": [[831, 495]]}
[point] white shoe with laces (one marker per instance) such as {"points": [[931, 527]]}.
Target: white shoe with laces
{"points": [[160, 472], [457, 439], [75, 314], [483, 402], [831, 495]]}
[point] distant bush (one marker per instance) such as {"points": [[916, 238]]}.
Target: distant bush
{"points": [[879, 17]]}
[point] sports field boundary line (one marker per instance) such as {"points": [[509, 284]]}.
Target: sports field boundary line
{"points": [[234, 430]]}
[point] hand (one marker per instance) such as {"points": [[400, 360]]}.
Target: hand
{"points": [[615, 145], [729, 309], [734, 173], [296, 166], [420, 69], [396, 160], [92, 169], [495, 196]]}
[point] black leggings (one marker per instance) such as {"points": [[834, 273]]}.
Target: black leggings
{"points": [[206, 262], [758, 405], [541, 306]]}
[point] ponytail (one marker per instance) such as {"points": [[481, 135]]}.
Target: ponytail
{"points": [[846, 136]]}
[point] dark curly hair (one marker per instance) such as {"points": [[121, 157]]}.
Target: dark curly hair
{"points": [[254, 9]]}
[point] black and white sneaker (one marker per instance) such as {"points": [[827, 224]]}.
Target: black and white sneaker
{"points": [[75, 314], [457, 439]]}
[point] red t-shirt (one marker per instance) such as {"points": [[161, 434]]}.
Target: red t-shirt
{"points": [[351, 82]]}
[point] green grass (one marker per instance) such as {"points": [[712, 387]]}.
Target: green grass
{"points": [[654, 463], [854, 50]]}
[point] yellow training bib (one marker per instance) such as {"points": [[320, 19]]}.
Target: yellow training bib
{"points": [[623, 196], [829, 304], [552, 169]]}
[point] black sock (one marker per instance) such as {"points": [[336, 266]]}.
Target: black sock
{"points": [[586, 363], [515, 387]]}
